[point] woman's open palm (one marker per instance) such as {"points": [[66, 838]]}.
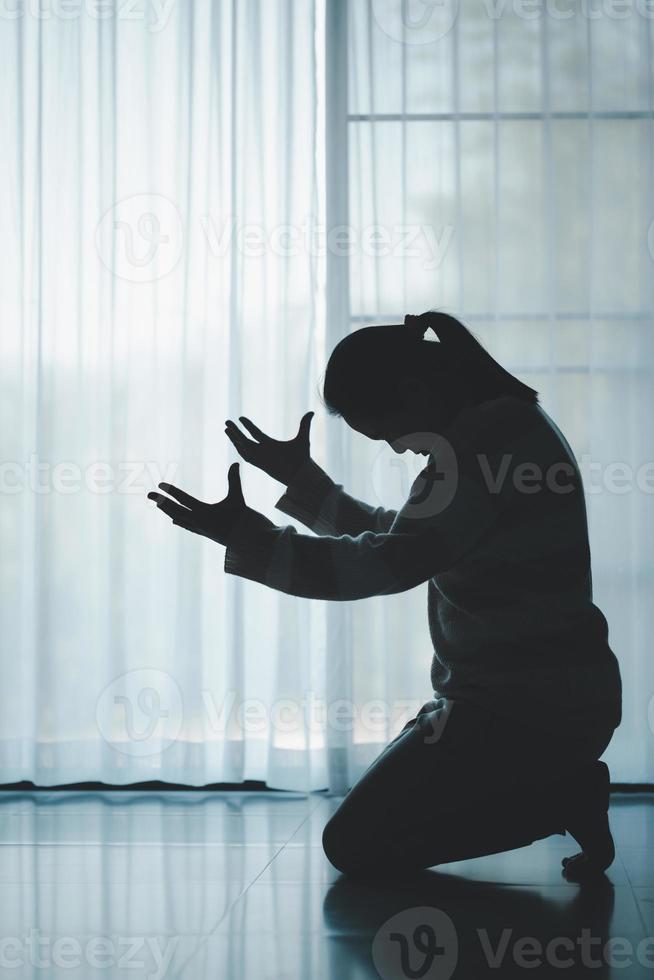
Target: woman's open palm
{"points": [[213, 521], [277, 457]]}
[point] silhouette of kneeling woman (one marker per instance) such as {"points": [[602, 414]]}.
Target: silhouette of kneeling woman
{"points": [[526, 689]]}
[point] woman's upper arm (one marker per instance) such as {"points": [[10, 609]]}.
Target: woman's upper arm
{"points": [[322, 505]]}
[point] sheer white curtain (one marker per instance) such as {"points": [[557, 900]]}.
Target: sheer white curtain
{"points": [[163, 268], [502, 167], [159, 188]]}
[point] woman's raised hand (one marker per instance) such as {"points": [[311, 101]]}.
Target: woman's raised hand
{"points": [[213, 521], [279, 458]]}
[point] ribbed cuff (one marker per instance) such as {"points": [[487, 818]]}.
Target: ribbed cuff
{"points": [[247, 564], [305, 495], [246, 536], [255, 550]]}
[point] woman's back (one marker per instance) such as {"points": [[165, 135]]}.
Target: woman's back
{"points": [[513, 622]]}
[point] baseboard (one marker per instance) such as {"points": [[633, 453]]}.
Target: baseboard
{"points": [[248, 786]]}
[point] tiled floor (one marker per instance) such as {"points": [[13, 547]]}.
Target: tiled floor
{"points": [[235, 886]]}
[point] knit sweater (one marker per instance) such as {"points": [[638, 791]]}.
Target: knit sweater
{"points": [[496, 525]]}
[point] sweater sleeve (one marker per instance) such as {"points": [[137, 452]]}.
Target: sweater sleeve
{"points": [[453, 503], [329, 567], [322, 505]]}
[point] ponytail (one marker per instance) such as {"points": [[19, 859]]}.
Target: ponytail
{"points": [[464, 353]]}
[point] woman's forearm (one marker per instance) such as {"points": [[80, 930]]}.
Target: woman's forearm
{"points": [[328, 567], [322, 505]]}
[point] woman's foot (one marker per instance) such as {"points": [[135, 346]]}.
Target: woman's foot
{"points": [[588, 823]]}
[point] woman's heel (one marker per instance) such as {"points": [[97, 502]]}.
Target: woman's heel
{"points": [[587, 820]]}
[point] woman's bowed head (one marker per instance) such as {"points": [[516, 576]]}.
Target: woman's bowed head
{"points": [[386, 382], [390, 383]]}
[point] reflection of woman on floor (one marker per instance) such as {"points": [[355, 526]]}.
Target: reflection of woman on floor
{"points": [[526, 689]]}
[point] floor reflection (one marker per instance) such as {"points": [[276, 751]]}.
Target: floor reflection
{"points": [[436, 925], [236, 886]]}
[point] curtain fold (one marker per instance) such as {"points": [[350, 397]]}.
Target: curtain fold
{"points": [[157, 277]]}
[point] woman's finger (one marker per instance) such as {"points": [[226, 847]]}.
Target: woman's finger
{"points": [[305, 426], [241, 442], [253, 429], [169, 507], [184, 498]]}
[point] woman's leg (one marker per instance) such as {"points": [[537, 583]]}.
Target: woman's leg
{"points": [[448, 788], [416, 805]]}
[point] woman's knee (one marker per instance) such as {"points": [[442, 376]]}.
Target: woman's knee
{"points": [[335, 844], [344, 847]]}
